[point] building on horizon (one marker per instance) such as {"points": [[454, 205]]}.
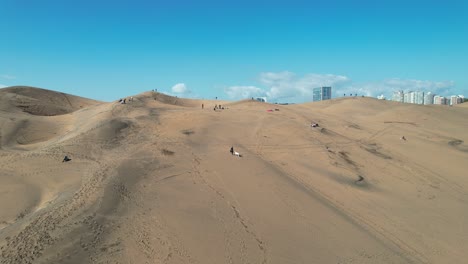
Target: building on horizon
{"points": [[381, 97], [440, 100], [418, 97], [321, 93], [398, 96], [429, 98], [426, 98], [407, 97], [456, 99], [461, 99], [453, 100]]}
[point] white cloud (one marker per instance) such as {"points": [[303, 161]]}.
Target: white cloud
{"points": [[3, 86], [7, 76], [180, 88], [436, 87], [276, 78], [367, 89], [242, 92]]}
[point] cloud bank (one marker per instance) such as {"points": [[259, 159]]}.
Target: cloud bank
{"points": [[288, 87], [242, 92]]}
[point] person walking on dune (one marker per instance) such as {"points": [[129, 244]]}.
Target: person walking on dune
{"points": [[232, 150]]}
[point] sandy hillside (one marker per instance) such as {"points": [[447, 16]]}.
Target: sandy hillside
{"points": [[152, 181]]}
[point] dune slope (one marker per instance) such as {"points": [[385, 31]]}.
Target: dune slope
{"points": [[152, 181]]}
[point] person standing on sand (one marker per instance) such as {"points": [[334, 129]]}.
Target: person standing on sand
{"points": [[202, 106], [232, 150]]}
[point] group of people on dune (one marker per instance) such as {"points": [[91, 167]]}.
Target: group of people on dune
{"points": [[124, 100]]}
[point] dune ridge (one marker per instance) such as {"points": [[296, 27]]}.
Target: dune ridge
{"points": [[152, 181]]}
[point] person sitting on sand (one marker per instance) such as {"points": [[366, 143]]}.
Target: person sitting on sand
{"points": [[65, 159], [403, 138]]}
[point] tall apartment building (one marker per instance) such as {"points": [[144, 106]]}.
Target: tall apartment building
{"points": [[321, 93], [453, 100], [398, 96], [429, 98], [418, 97], [407, 97]]}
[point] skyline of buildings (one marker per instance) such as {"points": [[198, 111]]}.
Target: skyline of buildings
{"points": [[426, 98], [412, 97]]}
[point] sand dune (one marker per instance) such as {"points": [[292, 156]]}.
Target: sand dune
{"points": [[152, 181], [41, 102]]}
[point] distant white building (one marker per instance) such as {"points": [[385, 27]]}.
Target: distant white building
{"points": [[453, 100], [408, 97], [418, 97], [440, 100], [429, 98], [381, 97], [398, 96], [456, 99]]}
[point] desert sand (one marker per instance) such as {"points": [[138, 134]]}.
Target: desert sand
{"points": [[153, 181]]}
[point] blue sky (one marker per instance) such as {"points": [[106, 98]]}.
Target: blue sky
{"points": [[106, 50]]}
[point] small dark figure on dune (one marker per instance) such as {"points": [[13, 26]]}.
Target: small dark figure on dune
{"points": [[65, 159], [232, 150]]}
